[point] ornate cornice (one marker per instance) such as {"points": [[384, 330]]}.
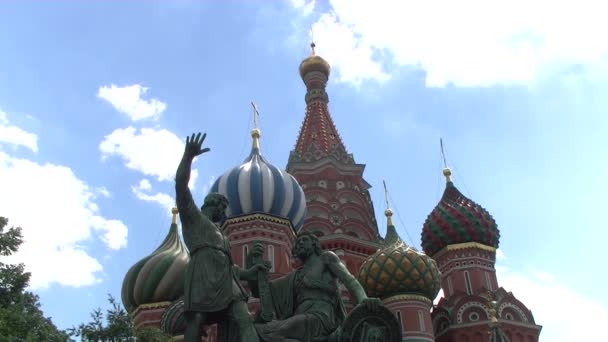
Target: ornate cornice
{"points": [[149, 306], [407, 297], [460, 246], [256, 216]]}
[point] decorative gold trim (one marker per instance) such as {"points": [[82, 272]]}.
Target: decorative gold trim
{"points": [[150, 306], [174, 213], [464, 245], [406, 297], [258, 216], [255, 136]]}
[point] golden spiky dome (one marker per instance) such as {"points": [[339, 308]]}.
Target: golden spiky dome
{"points": [[397, 268]]}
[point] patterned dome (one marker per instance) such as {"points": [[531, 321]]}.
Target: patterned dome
{"points": [[457, 219], [159, 277], [256, 186], [399, 269]]}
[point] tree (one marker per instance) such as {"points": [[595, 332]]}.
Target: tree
{"points": [[117, 328], [21, 318]]}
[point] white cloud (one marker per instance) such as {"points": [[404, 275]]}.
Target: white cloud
{"points": [[150, 151], [57, 213], [144, 185], [128, 100], [141, 191], [103, 191], [552, 304], [208, 185], [16, 136], [306, 7], [500, 256], [468, 43]]}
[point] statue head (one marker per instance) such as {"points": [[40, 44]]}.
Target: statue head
{"points": [[307, 244], [215, 206]]}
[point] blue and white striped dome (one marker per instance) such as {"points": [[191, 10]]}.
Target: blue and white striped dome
{"points": [[256, 186]]}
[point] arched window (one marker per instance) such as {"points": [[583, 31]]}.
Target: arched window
{"points": [[488, 281], [421, 320], [399, 319], [245, 252], [271, 257], [450, 286], [467, 283]]}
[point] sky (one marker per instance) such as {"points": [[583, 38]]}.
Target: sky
{"points": [[96, 99]]}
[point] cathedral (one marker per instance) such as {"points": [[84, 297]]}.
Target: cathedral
{"points": [[322, 190]]}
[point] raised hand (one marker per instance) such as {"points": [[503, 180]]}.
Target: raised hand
{"points": [[194, 145]]}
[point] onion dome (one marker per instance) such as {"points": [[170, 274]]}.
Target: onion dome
{"points": [[397, 268], [314, 63], [457, 219], [256, 186], [159, 277]]}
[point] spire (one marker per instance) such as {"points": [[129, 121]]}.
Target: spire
{"points": [[318, 134], [255, 132], [312, 42], [174, 213], [388, 212], [446, 170], [391, 233]]}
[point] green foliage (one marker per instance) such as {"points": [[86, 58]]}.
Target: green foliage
{"points": [[115, 327], [20, 316]]}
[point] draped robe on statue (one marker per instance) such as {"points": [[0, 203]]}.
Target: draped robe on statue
{"points": [[306, 311], [212, 282]]}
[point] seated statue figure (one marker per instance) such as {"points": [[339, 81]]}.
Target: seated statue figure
{"points": [[307, 301]]}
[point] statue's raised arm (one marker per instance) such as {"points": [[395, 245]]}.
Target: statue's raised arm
{"points": [[185, 204]]}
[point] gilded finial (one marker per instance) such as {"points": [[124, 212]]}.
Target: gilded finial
{"points": [[174, 212], [255, 132], [312, 42], [388, 212], [446, 170]]}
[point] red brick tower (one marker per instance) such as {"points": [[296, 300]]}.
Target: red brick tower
{"points": [[462, 237], [340, 209]]}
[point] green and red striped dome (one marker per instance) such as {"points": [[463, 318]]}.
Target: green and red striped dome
{"points": [[457, 219], [159, 277]]}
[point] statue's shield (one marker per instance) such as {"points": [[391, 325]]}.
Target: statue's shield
{"points": [[362, 325]]}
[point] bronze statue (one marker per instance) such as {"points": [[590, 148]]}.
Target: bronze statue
{"points": [[307, 301], [213, 293]]}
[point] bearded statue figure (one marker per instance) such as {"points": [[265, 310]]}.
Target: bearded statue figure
{"points": [[307, 301]]}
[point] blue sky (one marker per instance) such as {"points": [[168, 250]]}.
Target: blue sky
{"points": [[96, 99]]}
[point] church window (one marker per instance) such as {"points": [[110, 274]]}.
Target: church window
{"points": [[450, 286], [400, 320], [245, 252], [421, 320], [467, 283], [271, 257], [488, 281], [473, 317]]}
